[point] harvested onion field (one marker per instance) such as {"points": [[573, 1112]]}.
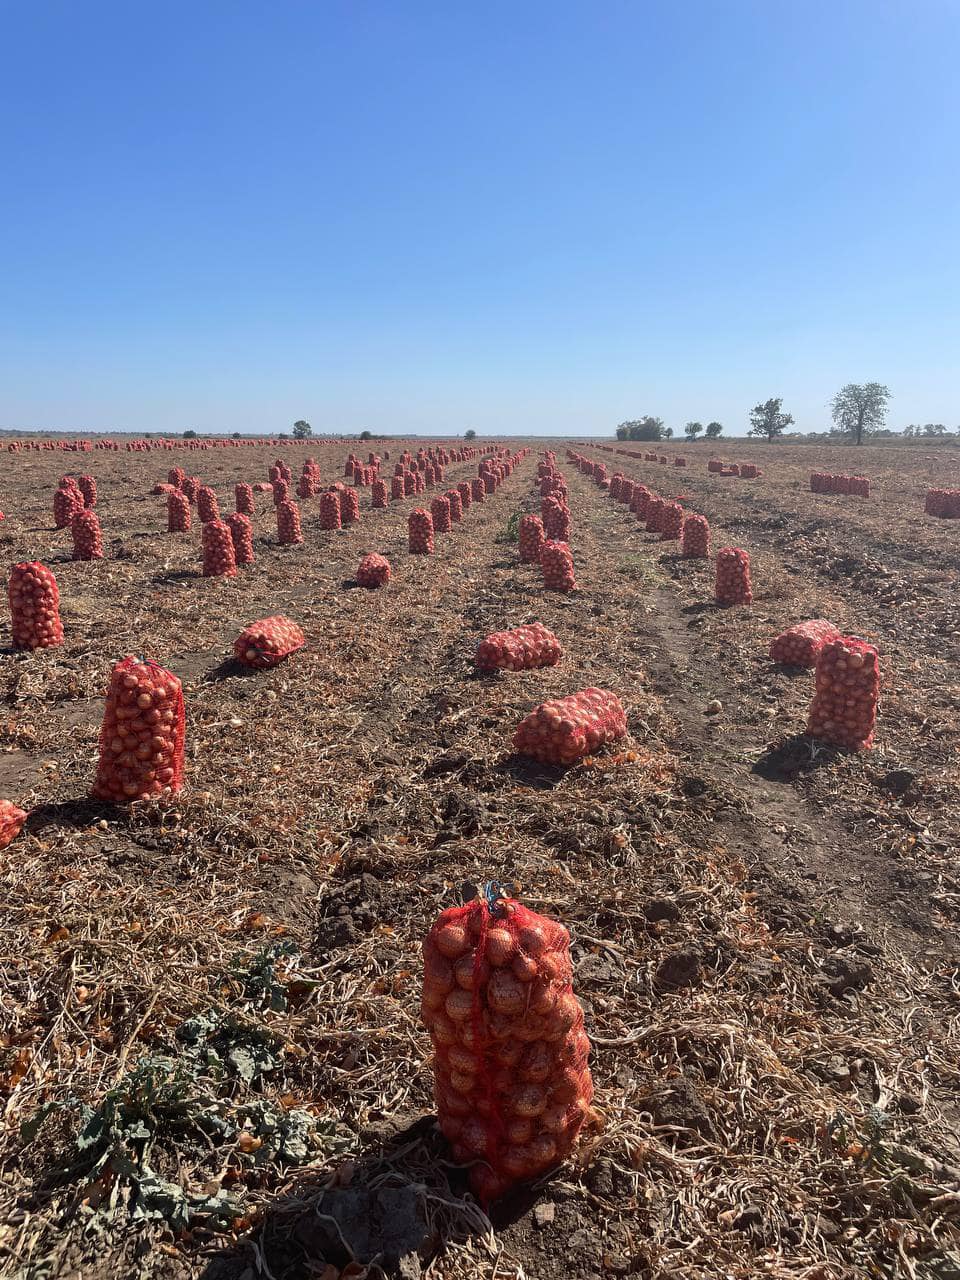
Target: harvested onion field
{"points": [[212, 1062]]}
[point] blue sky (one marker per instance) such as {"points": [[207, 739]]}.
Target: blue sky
{"points": [[516, 217]]}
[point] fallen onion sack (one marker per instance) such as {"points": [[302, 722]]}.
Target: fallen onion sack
{"points": [[11, 820], [800, 645], [565, 730], [511, 1078], [373, 571], [520, 649], [266, 642]]}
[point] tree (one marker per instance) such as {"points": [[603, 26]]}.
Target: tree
{"points": [[934, 429], [366, 435], [767, 420], [189, 435], [858, 409], [302, 429], [645, 428], [713, 430], [668, 433], [692, 430], [236, 435], [911, 431], [470, 435]]}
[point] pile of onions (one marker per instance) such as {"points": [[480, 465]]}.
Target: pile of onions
{"points": [[465, 489], [378, 494], [944, 503], [87, 536], [456, 506], [420, 532], [511, 1082], [567, 729], [556, 561], [440, 514], [219, 560], [733, 577], [373, 571], [267, 642], [695, 537], [800, 646], [243, 495], [531, 538], [178, 512], [241, 535], [67, 502], [654, 514], [88, 487], [555, 515], [396, 488], [844, 707], [176, 477], [349, 506], [34, 607], [478, 490], [207, 506], [289, 533], [141, 742], [11, 820], [671, 521], [520, 649], [281, 491], [330, 510]]}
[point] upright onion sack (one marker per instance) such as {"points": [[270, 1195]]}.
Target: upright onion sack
{"points": [[520, 649], [241, 534], [800, 646], [88, 487], [511, 1080], [420, 532], [556, 561], [67, 502], [219, 558], [531, 538], [243, 498], [266, 642], [671, 522], [695, 538], [207, 506], [733, 577], [141, 742], [87, 535], [349, 506], [330, 510], [373, 571], [289, 533], [456, 505], [11, 820], [844, 707], [378, 494], [565, 730], [440, 514], [34, 607], [478, 489], [178, 512]]}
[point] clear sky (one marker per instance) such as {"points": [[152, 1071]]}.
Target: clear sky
{"points": [[527, 216]]}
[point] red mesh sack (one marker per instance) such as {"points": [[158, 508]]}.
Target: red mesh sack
{"points": [[490, 481], [695, 537], [478, 490], [34, 607], [373, 571], [266, 642], [178, 512], [87, 536], [616, 483], [378, 494], [207, 506], [456, 505], [844, 707], [289, 533], [440, 514], [409, 484], [641, 497], [305, 486], [465, 489], [520, 649], [567, 729], [555, 515], [654, 514], [176, 476], [88, 487], [671, 521], [349, 506], [420, 532], [66, 504], [556, 561], [626, 490], [191, 487], [11, 820], [243, 495], [733, 577], [679, 462], [944, 503], [749, 471], [141, 742], [511, 1080], [531, 538], [219, 560], [800, 646], [241, 535], [396, 488], [330, 510]]}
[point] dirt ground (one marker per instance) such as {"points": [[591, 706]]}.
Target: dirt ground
{"points": [[217, 1002]]}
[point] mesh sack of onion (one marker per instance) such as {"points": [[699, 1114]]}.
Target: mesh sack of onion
{"points": [[520, 649], [565, 730], [266, 642], [141, 741]]}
